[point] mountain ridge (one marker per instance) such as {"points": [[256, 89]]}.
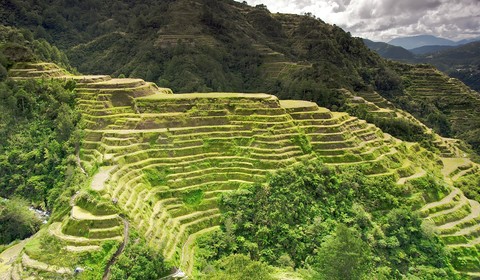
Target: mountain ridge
{"points": [[413, 42]]}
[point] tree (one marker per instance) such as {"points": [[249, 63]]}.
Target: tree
{"points": [[235, 267], [16, 221], [138, 262], [343, 255], [3, 73]]}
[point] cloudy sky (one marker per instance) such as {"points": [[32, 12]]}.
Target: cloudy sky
{"points": [[382, 20]]}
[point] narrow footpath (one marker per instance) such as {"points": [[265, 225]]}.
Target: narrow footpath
{"points": [[119, 251]]}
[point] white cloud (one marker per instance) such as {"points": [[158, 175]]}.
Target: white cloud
{"points": [[385, 19]]}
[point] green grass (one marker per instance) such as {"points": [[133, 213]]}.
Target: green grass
{"points": [[156, 176], [193, 197]]}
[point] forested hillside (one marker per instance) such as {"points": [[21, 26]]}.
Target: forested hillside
{"points": [[198, 45], [204, 45], [37, 124]]}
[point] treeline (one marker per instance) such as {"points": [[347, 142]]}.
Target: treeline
{"points": [[38, 124], [16, 221], [337, 224], [19, 45], [39, 131]]}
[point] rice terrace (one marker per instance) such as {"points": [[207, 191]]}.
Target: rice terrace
{"points": [[320, 160]]}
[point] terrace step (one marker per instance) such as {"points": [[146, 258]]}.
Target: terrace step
{"points": [[420, 173], [81, 249], [81, 214], [187, 256], [38, 265], [55, 230]]}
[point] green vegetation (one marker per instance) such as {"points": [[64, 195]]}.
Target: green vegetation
{"points": [[16, 221], [238, 267], [470, 186], [138, 261], [170, 164], [216, 49], [19, 45], [402, 128], [38, 126], [194, 197], [193, 172], [155, 177], [49, 249], [343, 255], [300, 214], [444, 104]]}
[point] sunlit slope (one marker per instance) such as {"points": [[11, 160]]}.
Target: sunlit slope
{"points": [[168, 157]]}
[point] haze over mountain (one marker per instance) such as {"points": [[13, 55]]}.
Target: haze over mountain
{"points": [[389, 51], [413, 42]]}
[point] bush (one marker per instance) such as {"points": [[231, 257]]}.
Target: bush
{"points": [[16, 221], [236, 267], [343, 255], [138, 262]]}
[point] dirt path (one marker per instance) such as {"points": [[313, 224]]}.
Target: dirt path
{"points": [[119, 251], [8, 256], [99, 179]]}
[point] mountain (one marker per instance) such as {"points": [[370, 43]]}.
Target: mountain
{"points": [[466, 41], [429, 49], [389, 51], [412, 42], [197, 45], [462, 62], [216, 140], [459, 61]]}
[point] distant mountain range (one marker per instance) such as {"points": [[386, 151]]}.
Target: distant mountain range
{"points": [[461, 60], [389, 51], [414, 42], [429, 49]]}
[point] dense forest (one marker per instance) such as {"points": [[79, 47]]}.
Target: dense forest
{"points": [[340, 225], [39, 128], [215, 53]]}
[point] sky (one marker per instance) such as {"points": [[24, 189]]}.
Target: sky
{"points": [[382, 20]]}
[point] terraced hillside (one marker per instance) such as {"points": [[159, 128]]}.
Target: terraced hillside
{"points": [[432, 93], [91, 227], [455, 219], [380, 108], [166, 158]]}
